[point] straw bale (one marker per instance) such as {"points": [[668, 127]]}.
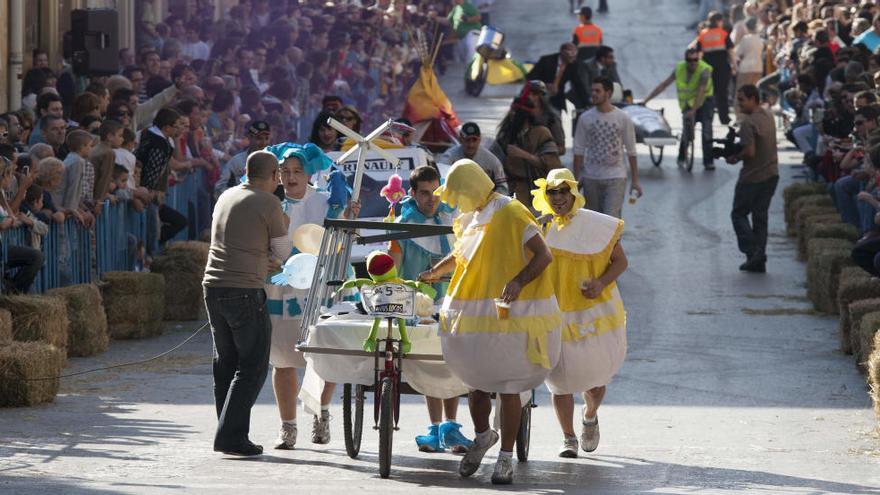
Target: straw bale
{"points": [[868, 325], [38, 318], [798, 204], [874, 374], [808, 211], [800, 189], [134, 304], [821, 228], [183, 266], [851, 290], [20, 364], [821, 244], [823, 272], [87, 333], [5, 326], [853, 273]]}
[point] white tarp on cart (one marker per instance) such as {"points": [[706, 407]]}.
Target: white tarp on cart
{"points": [[430, 378]]}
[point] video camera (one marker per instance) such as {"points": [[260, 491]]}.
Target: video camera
{"points": [[729, 146]]}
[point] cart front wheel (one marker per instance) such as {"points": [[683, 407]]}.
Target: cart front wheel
{"points": [[656, 153], [352, 420], [386, 427], [523, 437]]}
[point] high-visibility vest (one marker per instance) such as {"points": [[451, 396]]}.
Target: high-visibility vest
{"points": [[713, 39], [588, 35], [687, 85]]}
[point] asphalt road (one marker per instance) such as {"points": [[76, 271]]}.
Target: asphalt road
{"points": [[732, 384]]}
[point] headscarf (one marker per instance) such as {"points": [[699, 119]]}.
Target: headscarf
{"points": [[467, 186], [309, 155], [556, 178]]}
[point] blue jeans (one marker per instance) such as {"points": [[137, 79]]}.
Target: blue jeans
{"points": [[752, 199], [853, 211], [242, 332]]}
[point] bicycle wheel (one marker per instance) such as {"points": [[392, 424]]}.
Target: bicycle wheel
{"points": [[386, 428], [656, 156], [352, 424], [689, 158], [524, 435], [475, 76]]}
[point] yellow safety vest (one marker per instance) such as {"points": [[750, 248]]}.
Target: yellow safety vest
{"points": [[687, 87]]}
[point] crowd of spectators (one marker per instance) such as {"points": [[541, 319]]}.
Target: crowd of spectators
{"points": [[193, 96], [818, 64]]}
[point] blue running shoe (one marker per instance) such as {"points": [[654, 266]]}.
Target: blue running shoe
{"points": [[450, 435], [431, 441]]}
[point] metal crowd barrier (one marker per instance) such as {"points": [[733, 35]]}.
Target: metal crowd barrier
{"points": [[75, 255]]}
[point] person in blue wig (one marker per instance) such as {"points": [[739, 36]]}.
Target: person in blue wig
{"points": [[303, 204], [412, 257]]}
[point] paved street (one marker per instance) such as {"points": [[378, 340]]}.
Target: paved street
{"points": [[732, 383]]}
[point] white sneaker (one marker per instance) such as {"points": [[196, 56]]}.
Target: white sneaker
{"points": [[590, 435], [286, 437], [321, 428], [569, 449], [503, 474], [471, 461]]}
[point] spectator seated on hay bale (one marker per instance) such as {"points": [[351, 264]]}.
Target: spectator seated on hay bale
{"points": [[868, 326], [5, 326], [874, 374], [38, 319], [827, 257], [820, 228], [87, 330], [21, 363], [852, 290], [815, 200], [793, 192], [183, 267], [134, 303]]}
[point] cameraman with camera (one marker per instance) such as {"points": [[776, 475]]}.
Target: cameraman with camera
{"points": [[757, 178]]}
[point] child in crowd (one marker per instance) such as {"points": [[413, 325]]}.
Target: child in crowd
{"points": [[78, 183], [125, 154], [49, 174], [103, 157], [36, 220]]}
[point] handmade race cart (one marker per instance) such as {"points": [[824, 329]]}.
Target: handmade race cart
{"points": [[654, 131], [333, 331]]}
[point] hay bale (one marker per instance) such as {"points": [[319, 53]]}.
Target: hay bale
{"points": [[823, 275], [87, 330], [20, 364], [851, 290], [825, 227], [852, 273], [815, 246], [874, 374], [801, 202], [868, 326], [134, 304], [5, 326], [793, 192], [38, 319], [183, 266]]}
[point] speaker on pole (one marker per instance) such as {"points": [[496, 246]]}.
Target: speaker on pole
{"points": [[94, 42]]}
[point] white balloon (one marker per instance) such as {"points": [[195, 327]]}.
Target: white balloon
{"points": [[299, 270]]}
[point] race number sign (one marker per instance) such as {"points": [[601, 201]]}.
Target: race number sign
{"points": [[389, 300]]}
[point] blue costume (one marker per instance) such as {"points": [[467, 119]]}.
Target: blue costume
{"points": [[422, 253]]}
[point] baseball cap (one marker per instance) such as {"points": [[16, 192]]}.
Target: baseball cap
{"points": [[537, 86], [470, 129], [257, 127]]}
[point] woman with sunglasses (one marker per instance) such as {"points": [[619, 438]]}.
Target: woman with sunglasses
{"points": [[323, 136]]}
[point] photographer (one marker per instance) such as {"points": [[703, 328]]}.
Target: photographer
{"points": [[757, 178]]}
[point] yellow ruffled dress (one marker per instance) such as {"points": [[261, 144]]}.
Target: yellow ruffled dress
{"points": [[486, 353], [593, 330]]}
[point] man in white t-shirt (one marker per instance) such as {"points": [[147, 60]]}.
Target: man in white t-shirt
{"points": [[602, 135]]}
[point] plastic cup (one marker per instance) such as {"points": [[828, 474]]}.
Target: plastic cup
{"points": [[502, 308]]}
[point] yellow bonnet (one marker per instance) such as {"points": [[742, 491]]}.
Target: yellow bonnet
{"points": [[556, 178], [467, 186]]}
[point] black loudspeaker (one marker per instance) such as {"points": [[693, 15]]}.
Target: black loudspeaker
{"points": [[94, 42]]}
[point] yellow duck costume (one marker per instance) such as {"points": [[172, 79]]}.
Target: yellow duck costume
{"points": [[593, 330], [486, 353]]}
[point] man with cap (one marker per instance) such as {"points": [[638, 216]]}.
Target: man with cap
{"points": [[587, 260], [259, 136], [302, 204], [499, 321], [472, 149]]}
